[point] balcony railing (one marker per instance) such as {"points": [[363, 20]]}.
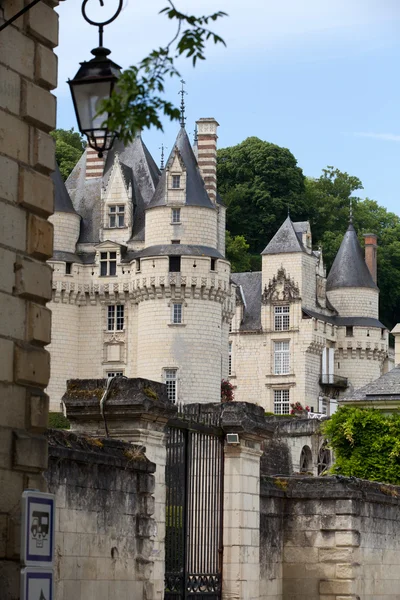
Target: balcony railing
{"points": [[333, 380]]}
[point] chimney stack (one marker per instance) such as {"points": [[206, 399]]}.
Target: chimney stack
{"points": [[396, 333], [370, 253], [207, 154], [94, 164]]}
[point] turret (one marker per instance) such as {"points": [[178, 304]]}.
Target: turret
{"points": [[65, 220]]}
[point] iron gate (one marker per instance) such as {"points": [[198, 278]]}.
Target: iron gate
{"points": [[194, 486]]}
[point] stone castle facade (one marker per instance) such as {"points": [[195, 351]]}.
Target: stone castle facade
{"points": [[142, 288]]}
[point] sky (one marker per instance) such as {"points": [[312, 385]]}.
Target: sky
{"points": [[320, 77]]}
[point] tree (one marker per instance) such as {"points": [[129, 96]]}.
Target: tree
{"points": [[237, 253], [69, 148], [138, 101], [366, 444], [259, 182]]}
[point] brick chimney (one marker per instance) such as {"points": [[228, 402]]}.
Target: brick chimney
{"points": [[370, 253], [207, 154], [94, 164]]}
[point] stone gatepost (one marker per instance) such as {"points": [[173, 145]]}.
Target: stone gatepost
{"points": [[136, 411], [241, 535]]}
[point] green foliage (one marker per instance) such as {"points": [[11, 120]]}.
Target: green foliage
{"points": [[138, 103], [58, 421], [69, 148], [237, 253], [366, 444], [259, 181]]}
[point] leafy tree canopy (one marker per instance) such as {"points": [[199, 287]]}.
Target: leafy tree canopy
{"points": [[236, 252], [69, 148], [366, 444]]}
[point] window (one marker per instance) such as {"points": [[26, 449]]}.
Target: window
{"points": [[171, 383], [68, 267], [281, 402], [281, 358], [281, 318], [174, 264], [115, 317], [212, 267], [108, 264], [176, 215], [230, 359], [116, 216], [349, 331], [114, 374], [177, 313], [176, 182], [137, 265], [175, 241]]}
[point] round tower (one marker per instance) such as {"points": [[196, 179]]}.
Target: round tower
{"points": [[66, 221], [182, 285]]}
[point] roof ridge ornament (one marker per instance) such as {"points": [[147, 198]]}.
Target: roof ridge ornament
{"points": [[351, 211], [182, 92]]}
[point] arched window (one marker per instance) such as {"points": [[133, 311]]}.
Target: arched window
{"points": [[324, 459], [306, 463]]}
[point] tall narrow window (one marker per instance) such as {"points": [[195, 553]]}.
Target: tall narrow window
{"points": [[176, 215], [68, 267], [116, 216], [281, 318], [281, 358], [174, 264], [177, 313], [176, 182], [171, 383], [349, 331], [212, 265], [230, 359], [108, 264], [281, 402], [115, 317]]}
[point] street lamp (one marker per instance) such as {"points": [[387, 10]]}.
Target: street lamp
{"points": [[94, 82]]}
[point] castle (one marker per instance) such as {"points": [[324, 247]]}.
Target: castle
{"points": [[142, 288]]}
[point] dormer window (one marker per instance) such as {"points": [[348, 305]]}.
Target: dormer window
{"points": [[108, 264], [176, 182], [116, 216]]}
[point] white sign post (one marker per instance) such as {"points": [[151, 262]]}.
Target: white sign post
{"points": [[37, 545]]}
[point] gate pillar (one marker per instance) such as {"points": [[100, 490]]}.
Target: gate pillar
{"points": [[241, 519], [135, 411]]}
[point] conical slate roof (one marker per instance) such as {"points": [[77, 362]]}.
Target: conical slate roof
{"points": [[349, 268], [62, 201], [196, 194], [285, 240]]}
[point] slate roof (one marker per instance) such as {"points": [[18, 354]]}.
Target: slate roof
{"points": [[196, 194], [349, 268], [386, 387], [173, 250], [285, 240], [344, 321], [251, 291], [62, 201]]}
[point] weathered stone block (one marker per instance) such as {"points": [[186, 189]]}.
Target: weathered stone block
{"points": [[10, 90], [8, 179], [40, 237], [17, 51], [38, 106], [42, 23], [39, 410], [347, 538], [36, 192], [46, 67], [30, 451], [7, 260], [43, 151], [14, 136], [6, 362], [32, 279], [38, 324], [31, 365], [336, 586], [12, 322]]}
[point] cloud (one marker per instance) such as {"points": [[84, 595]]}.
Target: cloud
{"points": [[387, 137]]}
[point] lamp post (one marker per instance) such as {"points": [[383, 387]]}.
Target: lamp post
{"points": [[94, 82]]}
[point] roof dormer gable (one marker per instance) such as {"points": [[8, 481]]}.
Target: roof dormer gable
{"points": [[119, 184]]}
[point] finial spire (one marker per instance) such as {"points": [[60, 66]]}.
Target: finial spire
{"points": [[182, 93], [288, 210], [195, 139], [351, 211], [162, 148]]}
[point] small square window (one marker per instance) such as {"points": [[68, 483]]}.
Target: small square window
{"points": [[281, 402], [177, 313], [349, 331], [176, 182], [175, 241], [176, 215], [174, 264]]}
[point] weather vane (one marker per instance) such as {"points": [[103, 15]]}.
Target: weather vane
{"points": [[162, 148], [195, 139], [182, 92]]}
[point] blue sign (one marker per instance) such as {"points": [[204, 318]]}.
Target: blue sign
{"points": [[37, 584], [37, 529]]}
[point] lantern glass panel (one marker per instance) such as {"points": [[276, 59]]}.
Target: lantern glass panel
{"points": [[88, 97]]}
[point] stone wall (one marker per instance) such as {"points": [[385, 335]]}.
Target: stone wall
{"points": [[28, 73], [104, 526], [329, 539]]}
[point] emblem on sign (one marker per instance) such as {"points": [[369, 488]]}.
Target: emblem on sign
{"points": [[37, 531]]}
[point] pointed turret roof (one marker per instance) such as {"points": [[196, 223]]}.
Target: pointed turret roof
{"points": [[196, 194], [62, 200], [349, 268], [285, 240]]}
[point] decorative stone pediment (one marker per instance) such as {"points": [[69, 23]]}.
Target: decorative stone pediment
{"points": [[280, 287]]}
